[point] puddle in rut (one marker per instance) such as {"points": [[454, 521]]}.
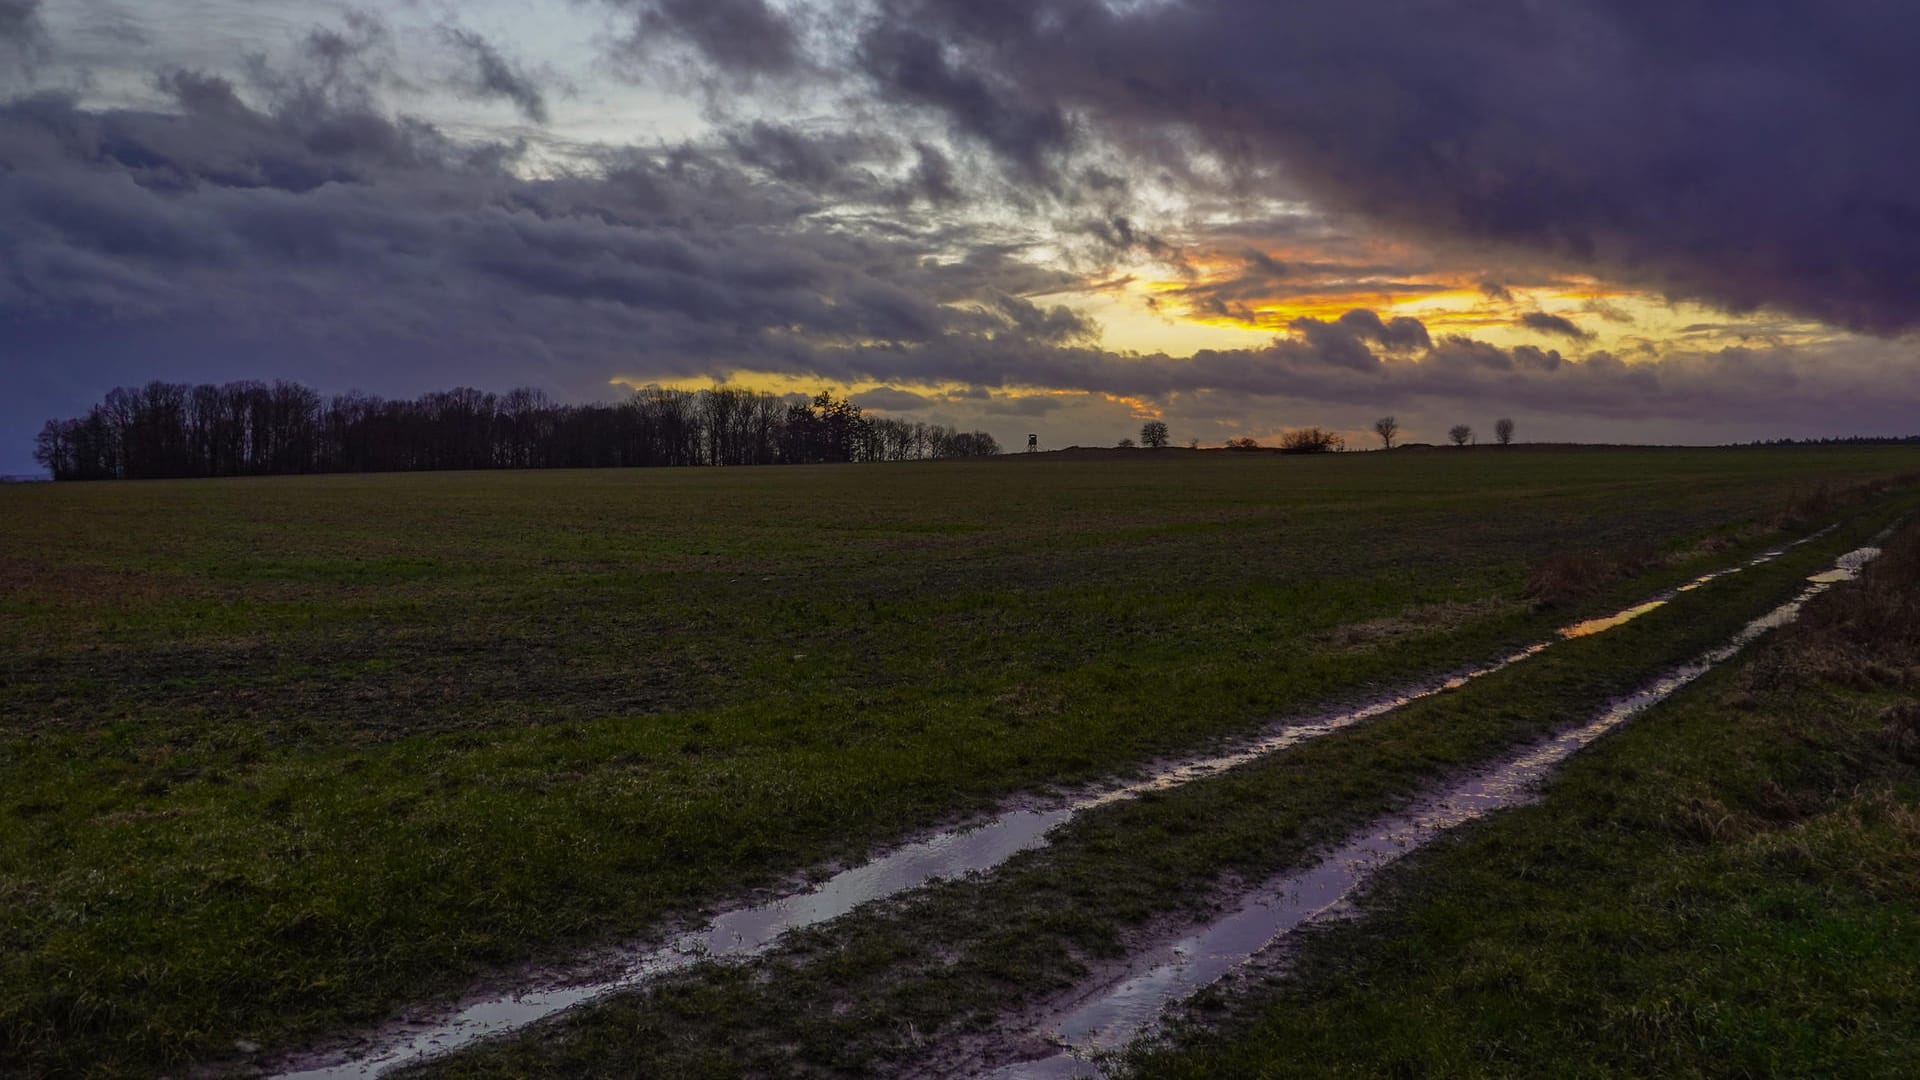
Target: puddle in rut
{"points": [[1109, 1020], [739, 933], [1591, 627], [1848, 568], [753, 930], [749, 931]]}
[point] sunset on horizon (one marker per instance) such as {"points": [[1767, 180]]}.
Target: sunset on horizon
{"points": [[1624, 223]]}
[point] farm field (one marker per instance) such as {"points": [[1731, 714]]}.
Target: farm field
{"points": [[1727, 889], [280, 756]]}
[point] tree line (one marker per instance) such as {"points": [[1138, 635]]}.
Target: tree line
{"points": [[1843, 440], [1388, 429], [175, 430]]}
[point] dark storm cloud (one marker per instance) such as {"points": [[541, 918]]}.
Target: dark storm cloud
{"points": [[305, 141], [1056, 325], [912, 66], [932, 179], [352, 60], [845, 164], [744, 38], [1345, 340], [1740, 153], [20, 25], [1398, 334], [1542, 322], [494, 76], [1116, 235]]}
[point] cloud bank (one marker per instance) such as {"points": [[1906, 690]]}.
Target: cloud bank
{"points": [[902, 195], [1737, 152]]}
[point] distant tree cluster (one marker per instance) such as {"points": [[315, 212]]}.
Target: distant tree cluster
{"points": [[1311, 440], [1388, 429], [1843, 440], [252, 429], [1462, 434]]}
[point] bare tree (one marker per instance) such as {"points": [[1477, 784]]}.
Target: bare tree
{"points": [[1503, 431], [1125, 444], [1387, 428], [1153, 433], [1461, 434]]}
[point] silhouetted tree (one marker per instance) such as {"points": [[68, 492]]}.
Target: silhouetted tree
{"points": [[1461, 434], [54, 449], [1153, 433], [826, 429], [1387, 428], [1503, 431]]}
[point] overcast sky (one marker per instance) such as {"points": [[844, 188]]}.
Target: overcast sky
{"points": [[1608, 220]]}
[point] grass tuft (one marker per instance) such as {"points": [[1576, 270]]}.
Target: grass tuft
{"points": [[1900, 731], [1568, 576]]}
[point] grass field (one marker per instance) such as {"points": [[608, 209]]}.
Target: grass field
{"points": [[1728, 889], [279, 755]]}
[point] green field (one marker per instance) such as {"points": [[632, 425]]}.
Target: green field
{"points": [[278, 756], [1731, 888]]}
